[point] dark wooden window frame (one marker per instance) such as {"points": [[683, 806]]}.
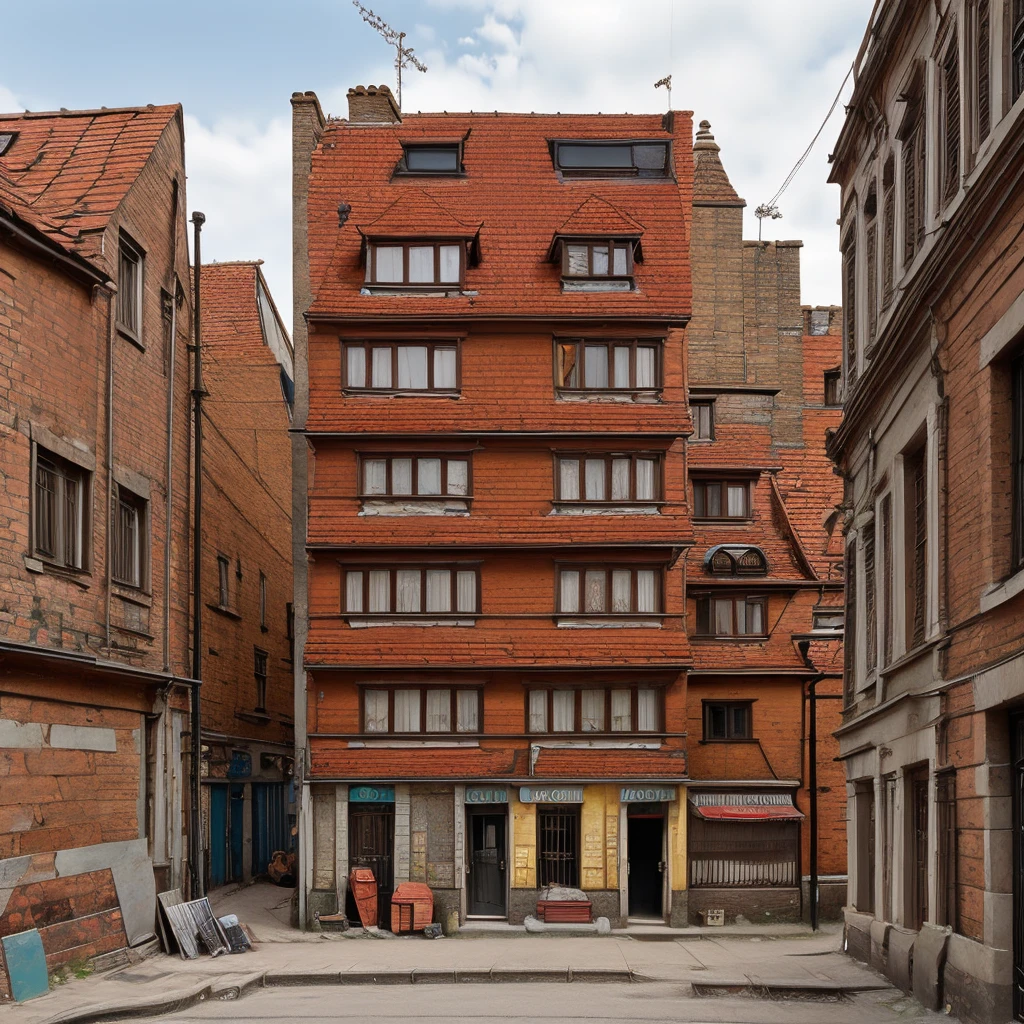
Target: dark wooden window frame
{"points": [[632, 171], [129, 562], [430, 344], [888, 231], [915, 490], [705, 620], [732, 735], [577, 728], [389, 456], [850, 348], [705, 405], [871, 263], [263, 602], [582, 456], [948, 835], [260, 661], [131, 262], [951, 120], [579, 363], [864, 806], [405, 244], [453, 568], [833, 380], [723, 482], [913, 166], [70, 488], [1016, 49], [979, 51], [453, 689], [591, 243], [1017, 458], [223, 581], [608, 568]]}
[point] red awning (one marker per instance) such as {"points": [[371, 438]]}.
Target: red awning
{"points": [[736, 813], [750, 806]]}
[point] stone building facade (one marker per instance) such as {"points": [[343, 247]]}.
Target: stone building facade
{"points": [[95, 320], [931, 448]]}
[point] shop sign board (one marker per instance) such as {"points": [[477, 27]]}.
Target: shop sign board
{"points": [[647, 794], [486, 795], [371, 794], [551, 794]]}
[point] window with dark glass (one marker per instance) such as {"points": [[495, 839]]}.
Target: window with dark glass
{"points": [[871, 261], [593, 478], [888, 231], [418, 264], [263, 602], [912, 134], [60, 511], [260, 674], [598, 258], [128, 543], [558, 845], [431, 158], [721, 499], [728, 720], [619, 365], [703, 414], [129, 288], [223, 582], [555, 709], [408, 590], [430, 709], [850, 308], [1017, 50], [833, 381], [915, 510], [401, 366], [951, 120], [731, 615], [606, 159], [982, 48], [599, 590], [420, 476]]}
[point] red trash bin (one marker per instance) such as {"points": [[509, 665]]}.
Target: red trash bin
{"points": [[364, 891]]}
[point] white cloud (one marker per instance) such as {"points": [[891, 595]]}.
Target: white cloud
{"points": [[9, 102]]}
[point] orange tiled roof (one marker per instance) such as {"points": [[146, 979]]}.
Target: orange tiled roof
{"points": [[512, 189], [596, 216], [418, 213], [67, 172]]}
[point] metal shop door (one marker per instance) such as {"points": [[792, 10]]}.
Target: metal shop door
{"points": [[371, 844], [645, 864], [487, 865], [269, 823], [1017, 753]]}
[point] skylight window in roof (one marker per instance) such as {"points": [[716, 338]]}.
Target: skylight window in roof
{"points": [[430, 159], [6, 139], [612, 159]]}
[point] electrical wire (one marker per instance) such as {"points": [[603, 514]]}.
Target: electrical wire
{"points": [[807, 152]]}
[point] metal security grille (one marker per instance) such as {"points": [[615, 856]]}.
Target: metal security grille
{"points": [[727, 854], [559, 846], [125, 551]]}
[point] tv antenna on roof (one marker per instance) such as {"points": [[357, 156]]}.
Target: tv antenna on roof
{"points": [[403, 55], [667, 83]]}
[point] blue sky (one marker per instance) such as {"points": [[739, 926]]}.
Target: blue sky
{"points": [[763, 73]]}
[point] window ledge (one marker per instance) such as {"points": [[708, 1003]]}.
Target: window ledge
{"points": [[253, 717], [612, 285], [458, 507], [396, 393], [610, 623], [411, 291], [401, 743], [724, 521], [646, 396], [364, 623], [752, 638], [647, 508], [129, 335], [80, 577], [1000, 593], [745, 739], [132, 595], [228, 613]]}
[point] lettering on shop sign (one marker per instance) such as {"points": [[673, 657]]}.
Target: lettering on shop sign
{"points": [[486, 795], [647, 794], [371, 794], [551, 794]]}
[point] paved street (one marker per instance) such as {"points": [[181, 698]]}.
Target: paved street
{"points": [[525, 1004]]}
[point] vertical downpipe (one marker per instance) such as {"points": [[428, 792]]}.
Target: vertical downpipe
{"points": [[812, 781], [195, 823], [171, 378]]}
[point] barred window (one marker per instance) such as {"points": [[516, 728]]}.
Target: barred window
{"points": [[128, 549], [558, 845]]}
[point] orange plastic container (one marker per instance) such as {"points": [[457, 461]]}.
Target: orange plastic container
{"points": [[364, 891], [412, 907]]}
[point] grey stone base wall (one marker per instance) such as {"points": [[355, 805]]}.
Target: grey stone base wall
{"points": [[679, 916], [446, 909], [980, 1002], [322, 901], [858, 935], [831, 900], [758, 906], [603, 903]]}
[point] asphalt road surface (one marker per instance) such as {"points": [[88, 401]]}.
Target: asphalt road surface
{"points": [[537, 1003]]}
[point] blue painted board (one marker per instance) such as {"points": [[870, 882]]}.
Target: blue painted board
{"points": [[26, 965]]}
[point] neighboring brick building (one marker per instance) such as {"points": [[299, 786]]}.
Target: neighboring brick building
{"points": [[94, 646], [764, 581], [247, 703], [495, 417], [932, 449]]}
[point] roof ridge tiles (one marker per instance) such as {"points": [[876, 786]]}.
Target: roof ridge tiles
{"points": [[64, 112]]}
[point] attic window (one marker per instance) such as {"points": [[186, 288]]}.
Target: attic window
{"points": [[6, 140], [601, 159], [598, 263], [415, 264], [735, 560], [430, 159]]}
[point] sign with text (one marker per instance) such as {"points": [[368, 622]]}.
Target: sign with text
{"points": [[647, 794], [551, 794], [486, 795], [371, 794]]}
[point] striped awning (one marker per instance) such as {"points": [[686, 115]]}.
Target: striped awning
{"points": [[744, 806]]}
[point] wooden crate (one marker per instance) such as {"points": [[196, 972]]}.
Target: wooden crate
{"points": [[564, 911]]}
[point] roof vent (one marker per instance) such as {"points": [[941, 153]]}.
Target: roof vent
{"points": [[372, 104]]}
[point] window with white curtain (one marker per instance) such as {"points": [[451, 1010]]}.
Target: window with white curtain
{"points": [[609, 591], [415, 476], [721, 499], [608, 365], [628, 709], [430, 709], [611, 477], [401, 366], [412, 591], [420, 264]]}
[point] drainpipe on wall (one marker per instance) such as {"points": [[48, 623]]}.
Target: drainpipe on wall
{"points": [[172, 355], [195, 783]]}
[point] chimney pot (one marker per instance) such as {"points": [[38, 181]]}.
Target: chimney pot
{"points": [[372, 104]]}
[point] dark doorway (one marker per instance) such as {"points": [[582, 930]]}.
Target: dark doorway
{"points": [[917, 876], [371, 844], [487, 865], [645, 839], [1017, 753]]}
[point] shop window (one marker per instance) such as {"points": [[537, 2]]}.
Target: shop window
{"points": [[596, 478], [399, 366], [731, 615], [580, 710], [599, 590], [608, 366], [726, 720], [415, 476], [434, 709], [741, 854], [558, 846], [721, 499], [411, 591]]}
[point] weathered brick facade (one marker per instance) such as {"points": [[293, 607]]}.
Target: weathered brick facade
{"points": [[929, 161], [94, 411]]}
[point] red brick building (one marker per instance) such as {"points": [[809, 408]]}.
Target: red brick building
{"points": [[764, 579], [94, 645], [247, 706], [932, 450], [495, 413]]}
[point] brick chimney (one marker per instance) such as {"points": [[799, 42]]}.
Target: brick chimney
{"points": [[372, 104]]}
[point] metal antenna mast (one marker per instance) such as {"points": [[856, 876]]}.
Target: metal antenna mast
{"points": [[666, 83], [403, 55]]}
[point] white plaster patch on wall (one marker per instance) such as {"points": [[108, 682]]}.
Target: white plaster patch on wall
{"points": [[83, 737], [20, 734]]}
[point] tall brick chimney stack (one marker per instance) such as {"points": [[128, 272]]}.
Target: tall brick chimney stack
{"points": [[372, 104]]}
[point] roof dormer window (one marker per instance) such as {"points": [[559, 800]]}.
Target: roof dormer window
{"points": [[416, 264], [431, 158], [597, 264], [600, 158]]}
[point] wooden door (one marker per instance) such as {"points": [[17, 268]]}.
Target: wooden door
{"points": [[371, 844]]}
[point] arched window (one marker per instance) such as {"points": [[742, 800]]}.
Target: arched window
{"points": [[735, 560]]}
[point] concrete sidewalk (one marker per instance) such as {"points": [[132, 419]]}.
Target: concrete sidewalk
{"points": [[161, 984]]}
